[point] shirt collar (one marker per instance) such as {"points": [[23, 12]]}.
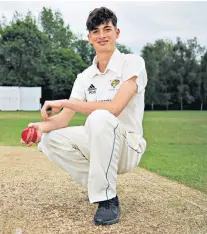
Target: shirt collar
{"points": [[113, 64]]}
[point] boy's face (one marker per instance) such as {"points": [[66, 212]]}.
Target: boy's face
{"points": [[103, 38]]}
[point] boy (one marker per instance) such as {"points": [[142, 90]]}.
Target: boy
{"points": [[111, 92]]}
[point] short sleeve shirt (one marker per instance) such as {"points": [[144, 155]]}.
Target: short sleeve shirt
{"points": [[92, 85]]}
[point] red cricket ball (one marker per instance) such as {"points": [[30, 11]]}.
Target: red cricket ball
{"points": [[29, 135]]}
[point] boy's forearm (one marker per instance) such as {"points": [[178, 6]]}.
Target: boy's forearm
{"points": [[88, 107], [55, 122], [50, 125], [61, 120]]}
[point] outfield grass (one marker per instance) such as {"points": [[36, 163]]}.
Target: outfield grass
{"points": [[177, 142], [177, 146]]}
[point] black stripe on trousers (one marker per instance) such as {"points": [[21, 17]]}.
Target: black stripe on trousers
{"points": [[110, 161], [129, 145]]}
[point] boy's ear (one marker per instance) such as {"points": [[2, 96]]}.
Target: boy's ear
{"points": [[89, 38], [117, 33]]}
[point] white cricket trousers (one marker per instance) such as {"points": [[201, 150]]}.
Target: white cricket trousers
{"points": [[95, 153]]}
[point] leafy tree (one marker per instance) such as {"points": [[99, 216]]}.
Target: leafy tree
{"points": [[202, 81], [85, 50], [157, 58], [22, 48], [52, 24], [186, 70], [65, 64], [152, 68], [163, 50]]}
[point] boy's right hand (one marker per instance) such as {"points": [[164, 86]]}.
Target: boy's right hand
{"points": [[36, 126]]}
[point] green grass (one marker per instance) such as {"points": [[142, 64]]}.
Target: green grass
{"points": [[12, 124], [177, 146], [177, 142]]}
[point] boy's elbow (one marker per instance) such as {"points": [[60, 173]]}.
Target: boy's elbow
{"points": [[116, 111]]}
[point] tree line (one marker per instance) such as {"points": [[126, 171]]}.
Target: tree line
{"points": [[44, 52], [177, 74]]}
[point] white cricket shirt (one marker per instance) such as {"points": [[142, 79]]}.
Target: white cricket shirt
{"points": [[92, 85]]}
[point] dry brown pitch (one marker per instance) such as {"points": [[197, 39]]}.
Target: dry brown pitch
{"points": [[38, 197]]}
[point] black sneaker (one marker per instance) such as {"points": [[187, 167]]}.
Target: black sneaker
{"points": [[108, 212]]}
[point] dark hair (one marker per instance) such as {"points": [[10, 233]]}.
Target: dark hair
{"points": [[100, 16]]}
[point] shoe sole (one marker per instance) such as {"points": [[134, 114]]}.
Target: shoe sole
{"points": [[110, 222]]}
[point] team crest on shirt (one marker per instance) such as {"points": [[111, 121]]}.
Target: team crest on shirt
{"points": [[114, 83]]}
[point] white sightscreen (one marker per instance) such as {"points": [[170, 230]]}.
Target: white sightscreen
{"points": [[9, 98], [20, 98], [30, 98]]}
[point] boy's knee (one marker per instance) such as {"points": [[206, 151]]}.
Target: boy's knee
{"points": [[99, 115], [98, 119]]}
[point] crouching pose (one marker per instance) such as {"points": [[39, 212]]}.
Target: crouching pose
{"points": [[111, 92]]}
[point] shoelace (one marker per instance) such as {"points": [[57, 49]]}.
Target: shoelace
{"points": [[107, 204]]}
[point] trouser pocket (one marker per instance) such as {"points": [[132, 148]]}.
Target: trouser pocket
{"points": [[131, 154]]}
